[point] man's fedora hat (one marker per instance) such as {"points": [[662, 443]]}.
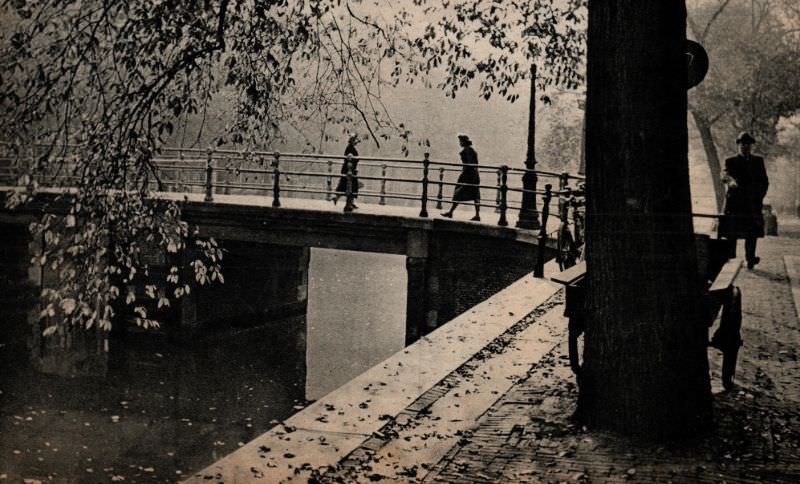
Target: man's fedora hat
{"points": [[744, 137]]}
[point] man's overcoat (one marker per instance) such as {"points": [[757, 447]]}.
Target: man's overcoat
{"points": [[743, 217]]}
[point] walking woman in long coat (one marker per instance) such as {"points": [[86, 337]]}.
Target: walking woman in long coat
{"points": [[747, 183], [341, 187], [469, 179]]}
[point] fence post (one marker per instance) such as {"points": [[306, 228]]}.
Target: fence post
{"points": [[440, 195], [497, 196], [503, 205], [252, 164], [563, 204], [423, 212], [276, 180], [182, 177], [329, 180], [243, 163], [577, 221], [209, 176], [563, 181], [548, 195], [29, 178], [350, 174], [382, 200]]}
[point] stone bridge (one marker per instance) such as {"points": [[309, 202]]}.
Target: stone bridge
{"points": [[451, 264], [269, 209]]}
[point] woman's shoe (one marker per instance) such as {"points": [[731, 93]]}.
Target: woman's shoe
{"points": [[476, 218], [447, 214]]}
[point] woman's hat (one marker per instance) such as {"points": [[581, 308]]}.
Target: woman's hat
{"points": [[463, 136], [744, 137], [352, 136]]}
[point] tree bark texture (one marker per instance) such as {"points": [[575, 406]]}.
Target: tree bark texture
{"points": [[712, 157], [645, 365]]}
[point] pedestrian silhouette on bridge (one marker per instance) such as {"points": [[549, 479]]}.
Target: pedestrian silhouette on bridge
{"points": [[469, 179], [341, 187], [747, 183]]}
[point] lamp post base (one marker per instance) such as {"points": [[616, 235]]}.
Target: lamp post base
{"points": [[528, 219], [528, 215]]}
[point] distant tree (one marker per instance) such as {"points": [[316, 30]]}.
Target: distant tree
{"points": [[754, 78], [645, 366], [784, 190], [102, 84], [560, 133]]}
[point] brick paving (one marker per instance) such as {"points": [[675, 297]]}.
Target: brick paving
{"points": [[528, 435]]}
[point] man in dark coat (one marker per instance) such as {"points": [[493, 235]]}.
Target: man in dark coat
{"points": [[747, 183]]}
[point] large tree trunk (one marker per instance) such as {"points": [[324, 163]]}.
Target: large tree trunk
{"points": [[645, 366], [712, 157]]}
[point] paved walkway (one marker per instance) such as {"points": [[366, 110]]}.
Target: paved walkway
{"points": [[403, 406], [503, 414], [527, 436]]}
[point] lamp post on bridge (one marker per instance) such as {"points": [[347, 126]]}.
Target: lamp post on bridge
{"points": [[528, 216]]}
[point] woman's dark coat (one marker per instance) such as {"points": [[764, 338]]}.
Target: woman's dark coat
{"points": [[341, 187], [469, 178], [743, 217]]}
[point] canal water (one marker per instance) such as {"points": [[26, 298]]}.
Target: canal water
{"points": [[164, 410]]}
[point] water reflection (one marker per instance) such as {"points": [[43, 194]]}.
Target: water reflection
{"points": [[356, 315], [164, 410], [168, 409]]}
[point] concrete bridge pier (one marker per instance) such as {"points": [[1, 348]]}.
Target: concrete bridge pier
{"points": [[70, 351], [421, 312], [449, 273]]}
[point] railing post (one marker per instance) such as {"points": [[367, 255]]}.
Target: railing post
{"points": [[349, 173], [209, 176], [440, 195], [503, 205], [577, 219], [563, 181], [32, 179], [243, 163], [382, 200], [548, 195], [180, 185], [252, 165], [329, 179], [563, 204], [423, 212], [276, 180], [497, 196]]}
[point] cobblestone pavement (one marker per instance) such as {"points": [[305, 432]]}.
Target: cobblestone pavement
{"points": [[528, 435]]}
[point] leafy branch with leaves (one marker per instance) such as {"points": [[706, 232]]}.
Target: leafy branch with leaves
{"points": [[90, 92]]}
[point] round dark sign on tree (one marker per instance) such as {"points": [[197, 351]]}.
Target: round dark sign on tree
{"points": [[696, 63]]}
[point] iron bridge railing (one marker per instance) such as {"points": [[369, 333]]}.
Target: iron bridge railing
{"points": [[389, 181]]}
